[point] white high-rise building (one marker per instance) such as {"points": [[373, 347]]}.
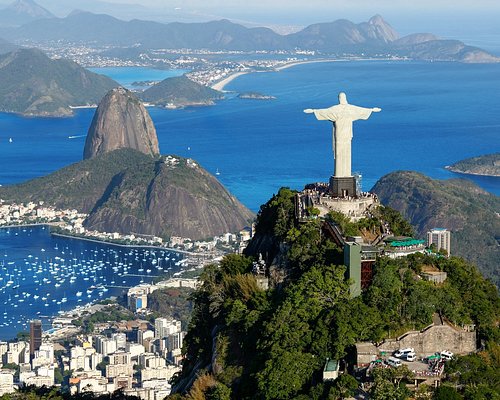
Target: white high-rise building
{"points": [[441, 238], [165, 327]]}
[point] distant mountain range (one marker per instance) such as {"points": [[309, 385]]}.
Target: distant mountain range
{"points": [[33, 84], [470, 213], [23, 11], [341, 37]]}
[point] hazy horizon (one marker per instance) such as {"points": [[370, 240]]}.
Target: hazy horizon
{"points": [[475, 24]]}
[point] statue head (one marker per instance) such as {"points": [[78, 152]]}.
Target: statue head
{"points": [[342, 98]]}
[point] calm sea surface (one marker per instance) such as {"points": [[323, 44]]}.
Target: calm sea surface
{"points": [[433, 114]]}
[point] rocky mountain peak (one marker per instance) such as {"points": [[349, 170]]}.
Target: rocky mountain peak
{"points": [[380, 29], [29, 7], [121, 121]]}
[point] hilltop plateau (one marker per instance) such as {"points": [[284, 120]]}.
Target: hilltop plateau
{"points": [[458, 205]]}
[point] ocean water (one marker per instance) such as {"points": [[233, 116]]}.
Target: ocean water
{"points": [[128, 75], [433, 114], [42, 274]]}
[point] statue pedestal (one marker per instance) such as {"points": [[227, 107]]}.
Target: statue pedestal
{"points": [[342, 186]]}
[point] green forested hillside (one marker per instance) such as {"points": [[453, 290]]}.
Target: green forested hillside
{"points": [[179, 92], [248, 343], [488, 164], [33, 84], [127, 191], [470, 213]]}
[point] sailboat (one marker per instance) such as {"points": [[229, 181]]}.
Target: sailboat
{"points": [[217, 172], [10, 140]]}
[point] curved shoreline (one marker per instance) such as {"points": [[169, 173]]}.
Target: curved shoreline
{"points": [[221, 84], [456, 171], [48, 224]]}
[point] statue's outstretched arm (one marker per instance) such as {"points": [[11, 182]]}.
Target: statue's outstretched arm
{"points": [[308, 110], [376, 109]]}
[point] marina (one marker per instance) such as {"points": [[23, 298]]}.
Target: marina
{"points": [[42, 275]]}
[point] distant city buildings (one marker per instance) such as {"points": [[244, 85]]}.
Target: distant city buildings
{"points": [[440, 237]]}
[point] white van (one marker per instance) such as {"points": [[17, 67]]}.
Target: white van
{"points": [[403, 352], [393, 362], [409, 357], [446, 355]]}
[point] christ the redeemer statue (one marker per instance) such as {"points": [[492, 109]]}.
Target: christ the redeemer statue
{"points": [[342, 115]]}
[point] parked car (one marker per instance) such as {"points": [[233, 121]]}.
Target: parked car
{"points": [[401, 352], [393, 362], [409, 357], [446, 355]]}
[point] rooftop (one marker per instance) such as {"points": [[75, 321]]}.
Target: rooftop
{"points": [[331, 365]]}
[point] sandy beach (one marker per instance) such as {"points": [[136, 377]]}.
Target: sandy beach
{"points": [[221, 84]]}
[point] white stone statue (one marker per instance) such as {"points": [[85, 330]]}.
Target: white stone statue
{"points": [[342, 115]]}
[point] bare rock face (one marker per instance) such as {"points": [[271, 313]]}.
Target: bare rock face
{"points": [[121, 121]]}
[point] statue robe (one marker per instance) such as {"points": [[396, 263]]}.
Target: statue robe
{"points": [[342, 116]]}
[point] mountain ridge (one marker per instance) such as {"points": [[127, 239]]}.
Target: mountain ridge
{"points": [[33, 84], [339, 36], [456, 204]]}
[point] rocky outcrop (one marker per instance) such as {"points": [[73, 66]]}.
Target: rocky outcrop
{"points": [[129, 192], [121, 121], [169, 197]]}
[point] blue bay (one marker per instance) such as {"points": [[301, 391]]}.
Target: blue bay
{"points": [[433, 114]]}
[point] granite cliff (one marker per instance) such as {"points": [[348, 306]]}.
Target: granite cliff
{"points": [[125, 186], [121, 121], [457, 204]]}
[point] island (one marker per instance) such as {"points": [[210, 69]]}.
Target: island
{"points": [[179, 92], [255, 96], [487, 165]]}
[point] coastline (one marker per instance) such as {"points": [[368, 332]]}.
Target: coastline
{"points": [[456, 171], [48, 224], [221, 84], [144, 246]]}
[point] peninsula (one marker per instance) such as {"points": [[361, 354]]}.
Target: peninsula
{"points": [[487, 165]]}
